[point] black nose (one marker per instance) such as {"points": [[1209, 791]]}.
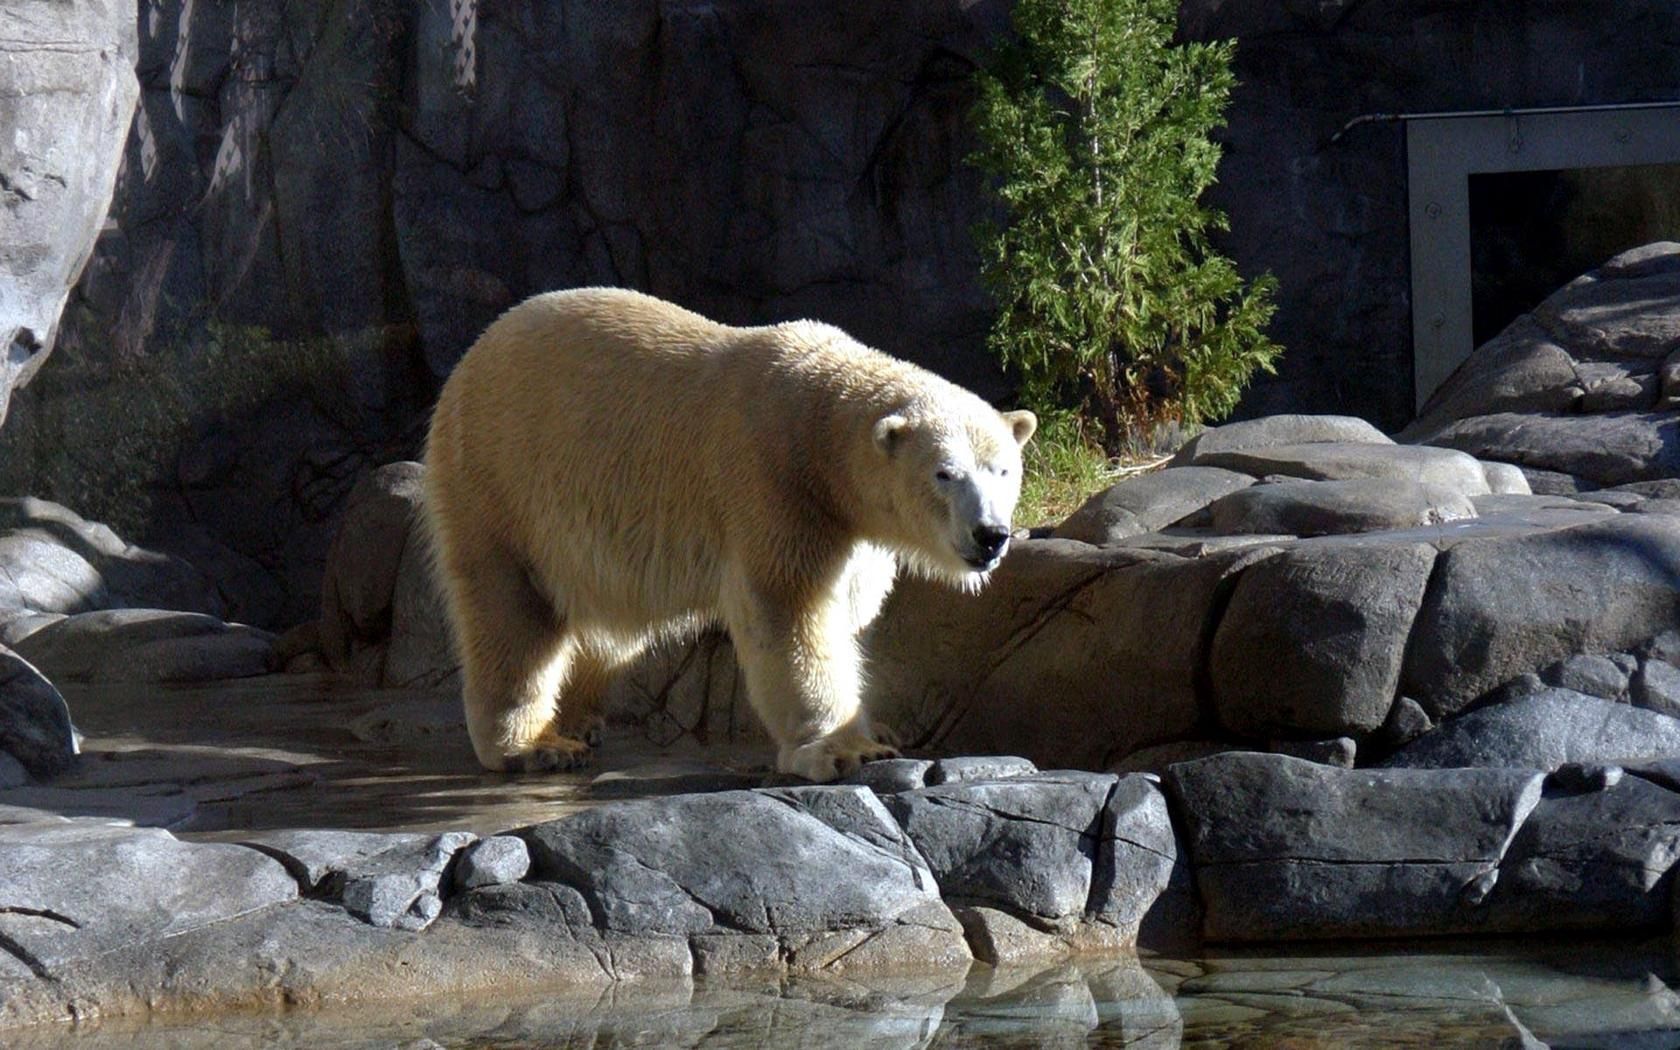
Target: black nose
{"points": [[990, 539]]}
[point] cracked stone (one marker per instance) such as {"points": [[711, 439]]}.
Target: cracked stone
{"points": [[1593, 860], [745, 861], [1028, 845], [1332, 664], [1656, 687], [1287, 849]]}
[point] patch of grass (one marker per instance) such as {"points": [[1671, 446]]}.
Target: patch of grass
{"points": [[1065, 465]]}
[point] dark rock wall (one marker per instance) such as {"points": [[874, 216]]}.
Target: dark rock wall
{"points": [[1328, 215], [369, 182]]}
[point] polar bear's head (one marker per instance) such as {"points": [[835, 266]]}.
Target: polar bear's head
{"points": [[955, 479]]}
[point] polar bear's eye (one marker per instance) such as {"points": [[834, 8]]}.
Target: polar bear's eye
{"points": [[942, 475]]}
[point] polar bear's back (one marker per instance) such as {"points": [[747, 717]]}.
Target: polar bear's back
{"points": [[597, 434]]}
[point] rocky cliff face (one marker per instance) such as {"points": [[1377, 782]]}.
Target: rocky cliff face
{"points": [[370, 182], [322, 203], [67, 90]]}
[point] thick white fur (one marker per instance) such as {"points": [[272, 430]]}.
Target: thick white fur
{"points": [[604, 467]]}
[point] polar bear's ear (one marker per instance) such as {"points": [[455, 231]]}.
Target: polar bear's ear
{"points": [[1023, 423], [890, 432]]}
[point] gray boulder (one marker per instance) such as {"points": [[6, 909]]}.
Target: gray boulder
{"points": [[76, 890], [1606, 677], [53, 561], [1574, 392], [1656, 687], [363, 563], [892, 775], [1543, 731], [1608, 448], [1597, 860], [386, 880], [1277, 430], [1313, 639], [1322, 508], [1057, 850], [421, 653], [737, 862], [1148, 502], [12, 773], [1499, 607], [35, 727], [67, 93], [1285, 849], [148, 645], [1072, 655], [1343, 461], [496, 860], [1506, 478], [1026, 845]]}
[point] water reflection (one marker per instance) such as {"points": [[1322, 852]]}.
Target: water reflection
{"points": [[1503, 994]]}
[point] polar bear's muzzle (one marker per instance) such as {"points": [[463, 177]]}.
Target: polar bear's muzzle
{"points": [[990, 542]]}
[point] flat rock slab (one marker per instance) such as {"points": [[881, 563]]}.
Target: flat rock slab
{"points": [[1285, 849], [35, 724], [1342, 461], [1277, 430], [1609, 448], [147, 645], [1148, 503], [1544, 730], [1322, 508], [1499, 607], [76, 890], [761, 862], [1313, 639]]}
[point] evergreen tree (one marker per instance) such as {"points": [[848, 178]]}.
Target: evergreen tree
{"points": [[1112, 302]]}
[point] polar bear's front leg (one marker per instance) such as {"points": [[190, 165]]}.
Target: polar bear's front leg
{"points": [[804, 678]]}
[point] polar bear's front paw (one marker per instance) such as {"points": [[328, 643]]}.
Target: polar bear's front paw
{"points": [[550, 753], [836, 755]]}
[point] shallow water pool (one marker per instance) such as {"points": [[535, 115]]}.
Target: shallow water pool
{"points": [[1510, 993]]}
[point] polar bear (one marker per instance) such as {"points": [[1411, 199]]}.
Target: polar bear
{"points": [[604, 468]]}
